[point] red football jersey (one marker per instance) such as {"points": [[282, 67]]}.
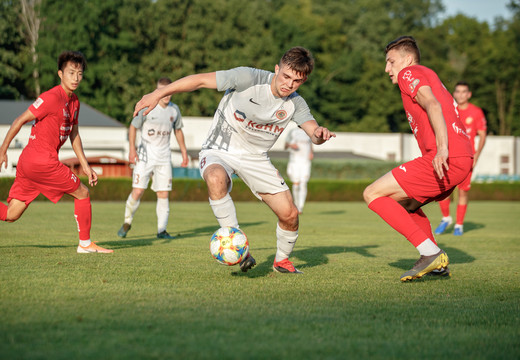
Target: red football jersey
{"points": [[474, 120], [410, 80], [56, 114]]}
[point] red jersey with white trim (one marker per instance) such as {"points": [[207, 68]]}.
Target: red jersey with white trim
{"points": [[56, 113], [474, 120], [410, 80]]}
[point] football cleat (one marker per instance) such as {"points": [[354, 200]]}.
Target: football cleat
{"points": [[247, 263], [458, 230], [426, 264], [125, 228], [445, 271], [93, 248], [285, 266], [164, 235], [445, 222]]}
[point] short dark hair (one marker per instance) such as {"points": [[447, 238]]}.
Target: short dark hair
{"points": [[164, 81], [299, 59], [462, 83], [74, 57], [407, 44]]}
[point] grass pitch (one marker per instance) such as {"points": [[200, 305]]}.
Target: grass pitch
{"points": [[157, 299]]}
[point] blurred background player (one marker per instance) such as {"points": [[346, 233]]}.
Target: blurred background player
{"points": [[475, 121], [39, 170], [254, 111], [299, 165], [153, 159], [397, 197]]}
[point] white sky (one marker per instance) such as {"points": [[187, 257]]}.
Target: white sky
{"points": [[483, 10]]}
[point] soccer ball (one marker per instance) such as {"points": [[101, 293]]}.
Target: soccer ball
{"points": [[229, 245]]}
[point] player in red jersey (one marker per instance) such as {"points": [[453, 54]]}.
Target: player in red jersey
{"points": [[475, 121], [55, 114], [397, 197]]}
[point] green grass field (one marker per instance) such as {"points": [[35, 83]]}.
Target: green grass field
{"points": [[156, 299]]}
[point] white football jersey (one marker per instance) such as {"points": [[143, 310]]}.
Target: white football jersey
{"points": [[156, 129], [250, 118], [299, 137]]}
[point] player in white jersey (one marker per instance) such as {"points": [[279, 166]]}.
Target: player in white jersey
{"points": [[252, 114], [299, 165], [153, 159]]}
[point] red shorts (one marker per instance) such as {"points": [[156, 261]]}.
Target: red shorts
{"points": [[419, 180], [41, 173], [466, 184]]}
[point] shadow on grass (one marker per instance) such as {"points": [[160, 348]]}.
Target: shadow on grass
{"points": [[314, 256], [146, 240], [332, 212], [468, 227]]}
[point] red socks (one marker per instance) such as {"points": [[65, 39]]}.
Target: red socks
{"points": [[83, 215], [409, 225], [3, 211], [445, 207], [461, 213]]}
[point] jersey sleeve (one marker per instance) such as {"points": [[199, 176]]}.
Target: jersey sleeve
{"points": [[138, 121], [241, 78], [302, 113], [177, 122], [43, 106], [410, 80], [75, 119]]}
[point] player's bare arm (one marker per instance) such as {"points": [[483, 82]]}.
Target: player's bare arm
{"points": [[318, 134], [132, 154], [77, 146], [481, 141], [433, 108], [17, 124], [179, 135], [185, 84]]}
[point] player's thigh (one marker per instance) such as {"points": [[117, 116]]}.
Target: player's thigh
{"points": [[162, 178], [217, 169], [385, 186]]}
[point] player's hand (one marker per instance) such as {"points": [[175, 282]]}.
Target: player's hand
{"points": [[184, 162], [132, 156], [149, 101], [3, 159], [92, 177], [323, 134], [440, 162]]}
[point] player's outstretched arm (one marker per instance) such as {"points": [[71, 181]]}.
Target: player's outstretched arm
{"points": [[17, 124], [433, 108], [185, 84], [318, 134], [77, 146], [179, 135]]}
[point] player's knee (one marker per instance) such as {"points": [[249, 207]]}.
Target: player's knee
{"points": [[369, 194], [289, 216]]}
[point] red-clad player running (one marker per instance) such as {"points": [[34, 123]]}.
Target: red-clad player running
{"points": [[446, 158], [39, 171], [475, 121]]}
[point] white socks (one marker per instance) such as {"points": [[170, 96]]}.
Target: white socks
{"points": [[225, 212], [84, 243], [428, 248], [130, 208], [303, 196], [285, 241], [163, 211]]}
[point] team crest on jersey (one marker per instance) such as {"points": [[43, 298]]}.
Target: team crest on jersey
{"points": [[239, 116], [414, 84], [151, 132], [281, 114], [469, 120], [37, 103]]}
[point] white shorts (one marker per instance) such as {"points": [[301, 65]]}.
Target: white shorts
{"points": [[161, 176], [299, 171], [255, 170]]}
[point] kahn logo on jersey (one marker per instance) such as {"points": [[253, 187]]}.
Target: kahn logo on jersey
{"points": [[281, 114], [414, 84], [37, 103], [272, 128], [458, 130], [239, 116]]}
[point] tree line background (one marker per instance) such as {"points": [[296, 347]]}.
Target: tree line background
{"points": [[129, 44]]}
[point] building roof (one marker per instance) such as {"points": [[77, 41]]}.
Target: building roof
{"points": [[11, 109]]}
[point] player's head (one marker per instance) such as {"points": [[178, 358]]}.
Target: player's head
{"points": [[292, 71], [462, 93], [401, 53], [162, 82], [71, 65]]}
